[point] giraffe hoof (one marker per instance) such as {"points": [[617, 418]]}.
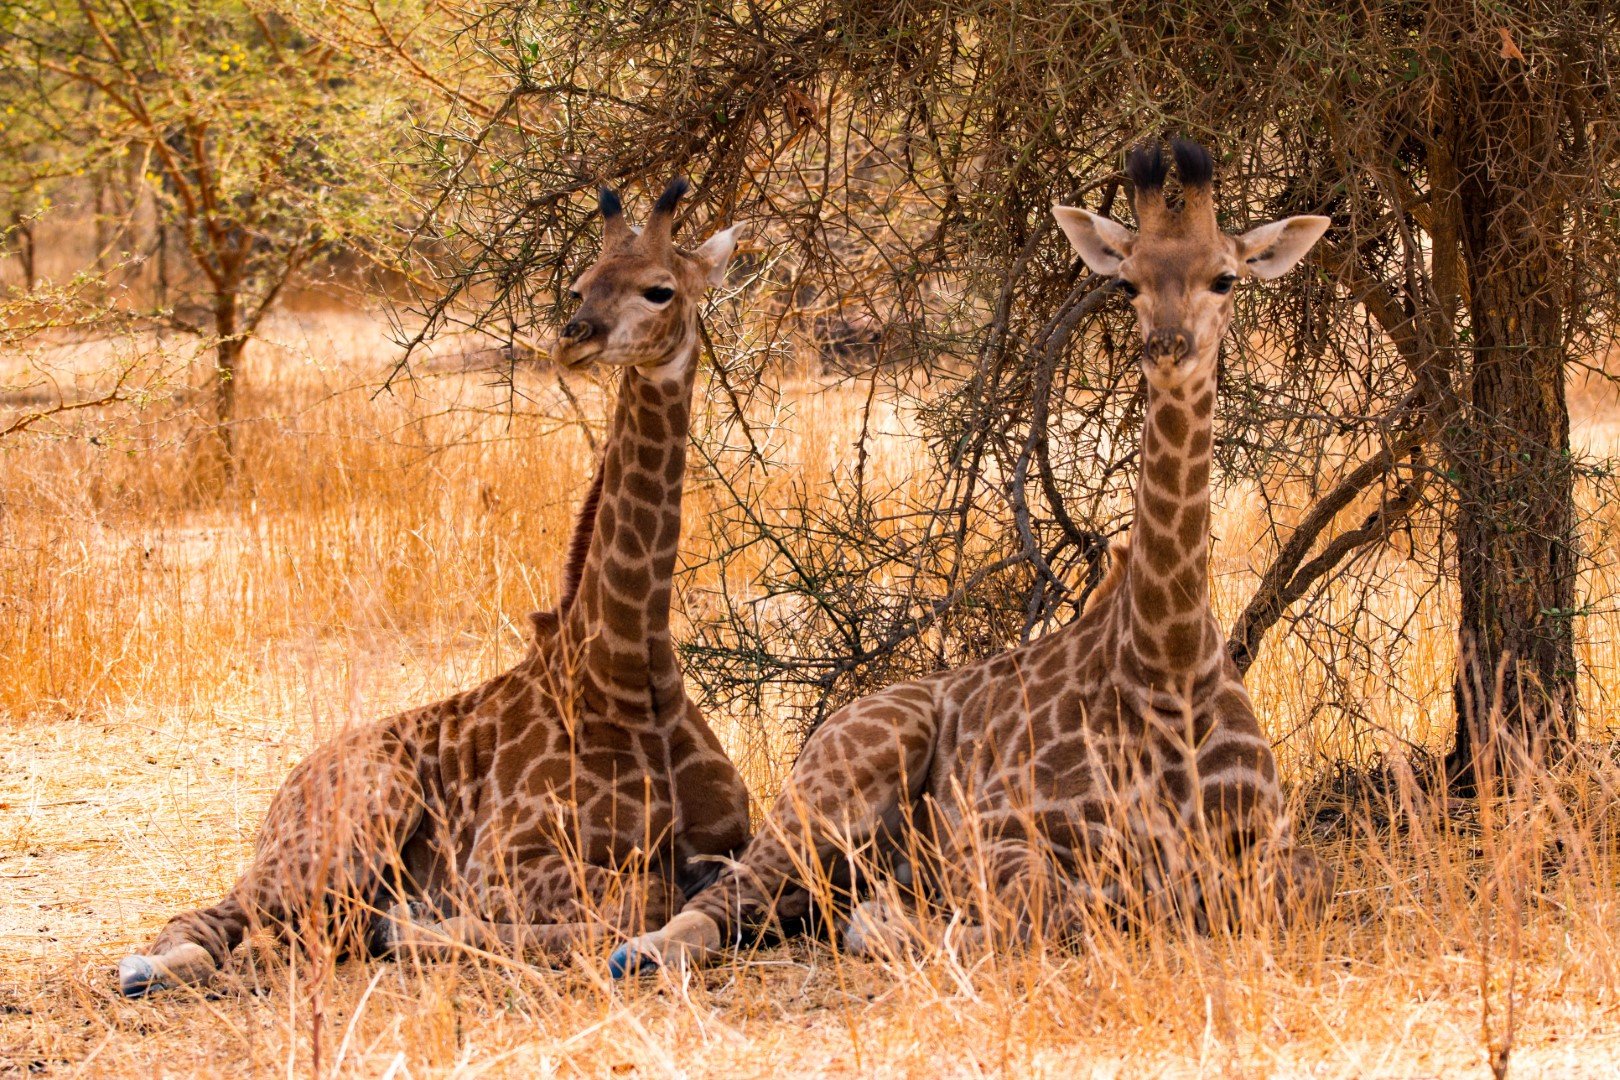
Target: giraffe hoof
{"points": [[138, 976], [382, 940], [628, 960], [691, 939], [391, 930], [185, 965]]}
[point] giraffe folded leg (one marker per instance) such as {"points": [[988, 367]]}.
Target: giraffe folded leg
{"points": [[333, 830], [1269, 875], [462, 936], [553, 908], [1009, 890], [858, 776], [186, 964], [690, 939], [188, 951], [391, 927], [881, 928], [1301, 884]]}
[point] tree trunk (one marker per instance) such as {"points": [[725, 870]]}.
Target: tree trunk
{"points": [[1515, 689], [23, 228], [227, 366]]}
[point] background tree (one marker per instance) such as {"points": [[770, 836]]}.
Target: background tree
{"points": [[256, 149]]}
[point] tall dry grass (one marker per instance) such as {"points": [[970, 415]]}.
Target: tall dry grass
{"points": [[171, 648]]}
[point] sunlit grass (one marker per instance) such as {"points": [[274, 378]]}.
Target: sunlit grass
{"points": [[172, 647]]}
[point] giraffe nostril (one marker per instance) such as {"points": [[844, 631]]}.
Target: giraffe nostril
{"points": [[578, 330], [1168, 345]]}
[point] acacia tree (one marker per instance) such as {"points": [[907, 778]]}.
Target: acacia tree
{"points": [[255, 148], [901, 159], [1530, 139]]}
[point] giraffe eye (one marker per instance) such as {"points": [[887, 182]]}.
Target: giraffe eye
{"points": [[1131, 291], [573, 294], [659, 294], [1223, 284]]}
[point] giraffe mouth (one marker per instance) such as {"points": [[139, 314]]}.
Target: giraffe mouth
{"points": [[1169, 363], [1170, 366], [573, 357]]}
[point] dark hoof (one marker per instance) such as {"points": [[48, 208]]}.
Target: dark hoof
{"points": [[383, 939], [138, 976], [624, 962], [388, 927]]}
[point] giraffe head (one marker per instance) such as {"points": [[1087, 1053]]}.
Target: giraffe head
{"points": [[1179, 268], [639, 302]]}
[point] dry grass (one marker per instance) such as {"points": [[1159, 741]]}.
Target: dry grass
{"points": [[171, 651]]}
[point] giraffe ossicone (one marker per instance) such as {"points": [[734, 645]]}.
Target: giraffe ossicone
{"points": [[1117, 759], [570, 800]]}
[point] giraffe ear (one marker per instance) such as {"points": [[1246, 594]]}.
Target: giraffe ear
{"points": [[1270, 251], [716, 252], [1102, 243]]}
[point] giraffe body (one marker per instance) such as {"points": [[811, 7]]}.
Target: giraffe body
{"points": [[1119, 755], [568, 800]]}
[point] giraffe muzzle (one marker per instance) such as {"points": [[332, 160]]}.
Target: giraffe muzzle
{"points": [[577, 344]]}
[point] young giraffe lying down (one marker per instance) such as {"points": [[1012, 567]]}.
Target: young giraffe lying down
{"points": [[564, 802], [1123, 742]]}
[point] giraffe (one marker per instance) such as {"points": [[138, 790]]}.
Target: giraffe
{"points": [[1114, 742], [571, 799]]}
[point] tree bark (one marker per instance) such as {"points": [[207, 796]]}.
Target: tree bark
{"points": [[227, 365], [24, 230], [1515, 687]]}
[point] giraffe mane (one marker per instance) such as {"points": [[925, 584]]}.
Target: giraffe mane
{"points": [[579, 545], [1119, 554]]}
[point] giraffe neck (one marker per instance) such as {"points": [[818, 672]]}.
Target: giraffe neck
{"points": [[1170, 628], [619, 614]]}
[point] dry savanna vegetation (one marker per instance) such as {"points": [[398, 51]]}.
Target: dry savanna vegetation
{"points": [[280, 454], [171, 653]]}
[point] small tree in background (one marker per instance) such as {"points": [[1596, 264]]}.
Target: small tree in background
{"points": [[225, 133]]}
